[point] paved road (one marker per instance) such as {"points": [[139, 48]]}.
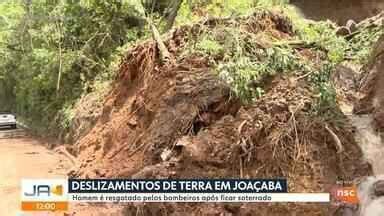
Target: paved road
{"points": [[24, 157]]}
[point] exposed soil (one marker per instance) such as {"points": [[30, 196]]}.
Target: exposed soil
{"points": [[179, 120], [371, 86]]}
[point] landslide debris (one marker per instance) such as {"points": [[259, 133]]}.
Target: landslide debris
{"points": [[234, 104], [371, 86]]}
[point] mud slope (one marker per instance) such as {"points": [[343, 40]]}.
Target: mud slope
{"points": [[371, 86], [179, 120]]}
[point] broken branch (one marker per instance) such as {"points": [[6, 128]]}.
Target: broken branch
{"points": [[336, 139]]}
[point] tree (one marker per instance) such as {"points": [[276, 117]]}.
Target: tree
{"points": [[164, 53], [171, 13], [168, 9]]}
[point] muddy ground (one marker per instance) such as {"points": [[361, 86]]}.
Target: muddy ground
{"points": [[23, 156]]}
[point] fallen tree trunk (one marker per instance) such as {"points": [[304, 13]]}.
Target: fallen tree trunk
{"points": [[164, 53]]}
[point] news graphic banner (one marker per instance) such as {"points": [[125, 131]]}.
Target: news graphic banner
{"points": [[45, 194]]}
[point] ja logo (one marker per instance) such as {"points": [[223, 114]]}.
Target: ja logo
{"points": [[48, 190], [44, 194]]}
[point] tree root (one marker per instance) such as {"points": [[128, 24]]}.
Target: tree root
{"points": [[336, 139]]}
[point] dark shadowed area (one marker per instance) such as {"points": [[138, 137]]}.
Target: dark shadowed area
{"points": [[339, 11]]}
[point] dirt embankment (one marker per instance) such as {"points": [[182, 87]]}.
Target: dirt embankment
{"points": [[372, 86], [339, 11], [179, 120]]}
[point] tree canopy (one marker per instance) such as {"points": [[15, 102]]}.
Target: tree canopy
{"points": [[53, 52]]}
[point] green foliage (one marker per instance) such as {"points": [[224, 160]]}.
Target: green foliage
{"points": [[246, 74], [65, 115], [209, 46], [245, 64], [326, 99], [192, 10], [239, 74], [361, 45], [80, 40], [323, 35], [229, 7], [241, 61], [357, 49], [186, 14], [270, 3]]}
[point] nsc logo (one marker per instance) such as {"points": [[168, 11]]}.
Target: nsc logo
{"points": [[44, 194], [345, 195]]}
